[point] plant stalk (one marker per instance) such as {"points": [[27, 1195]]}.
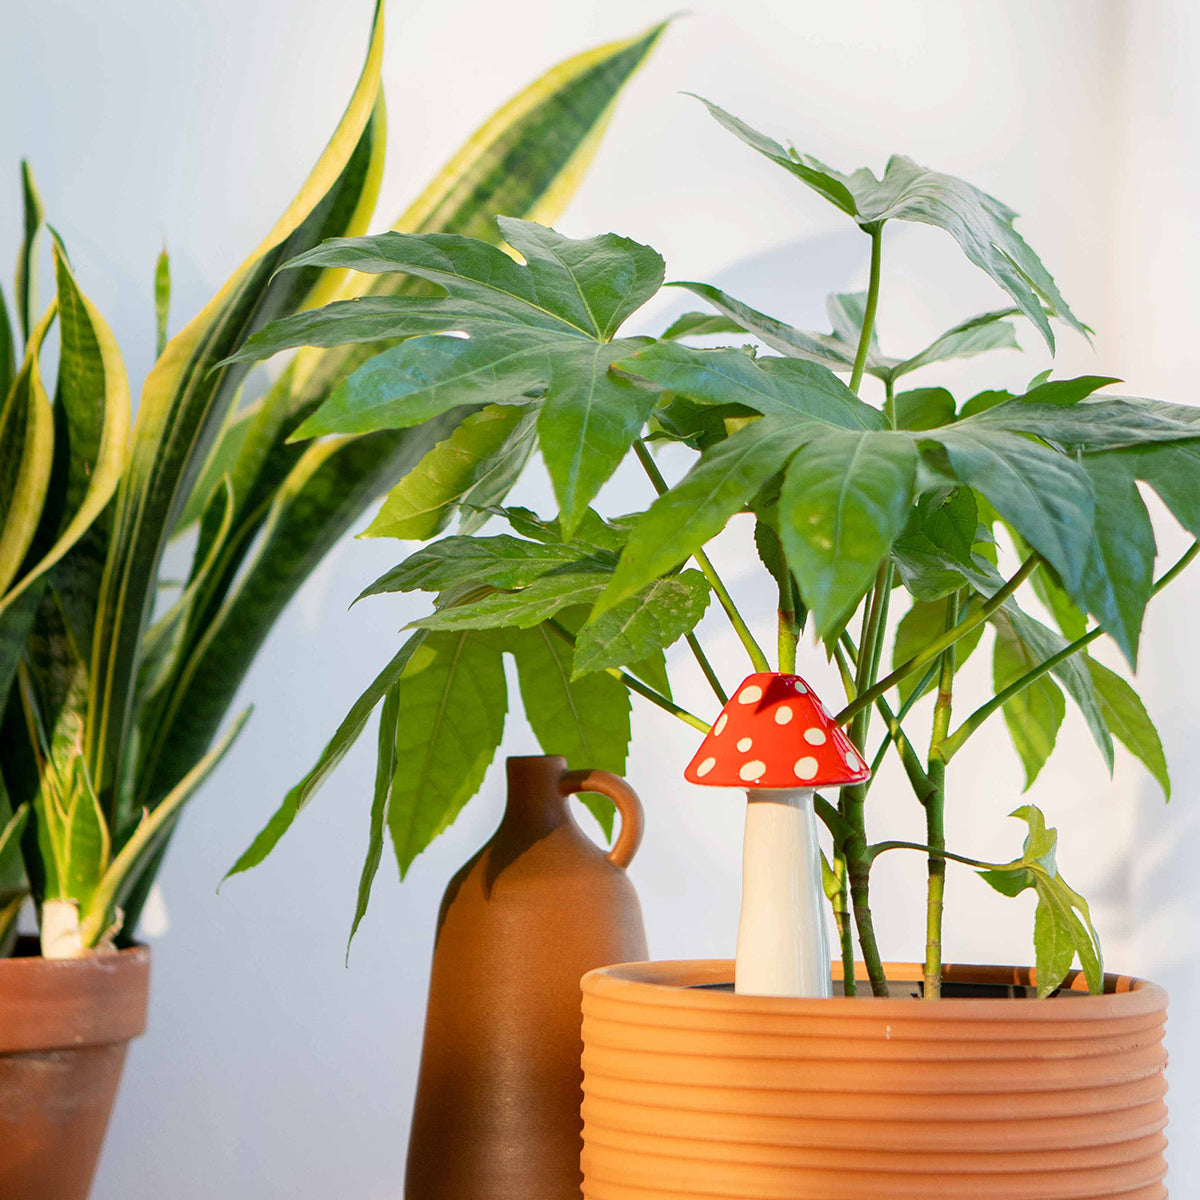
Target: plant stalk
{"points": [[868, 327], [841, 915], [707, 667], [757, 657]]}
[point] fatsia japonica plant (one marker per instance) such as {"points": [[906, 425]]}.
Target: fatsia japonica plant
{"points": [[960, 508], [114, 682]]}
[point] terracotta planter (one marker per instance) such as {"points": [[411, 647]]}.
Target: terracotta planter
{"points": [[64, 1026], [693, 1092]]}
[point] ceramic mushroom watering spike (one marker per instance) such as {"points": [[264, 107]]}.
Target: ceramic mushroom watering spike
{"points": [[775, 739]]}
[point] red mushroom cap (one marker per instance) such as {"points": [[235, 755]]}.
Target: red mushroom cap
{"points": [[775, 733]]}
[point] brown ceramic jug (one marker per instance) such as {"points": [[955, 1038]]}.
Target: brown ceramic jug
{"points": [[497, 1113]]}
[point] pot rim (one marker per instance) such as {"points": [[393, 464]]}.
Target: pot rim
{"points": [[49, 1004], [688, 983]]}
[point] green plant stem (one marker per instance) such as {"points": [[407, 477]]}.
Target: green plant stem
{"points": [[757, 657], [864, 340], [841, 916], [636, 685], [883, 847], [935, 814], [707, 667], [894, 730], [935, 648], [952, 744]]}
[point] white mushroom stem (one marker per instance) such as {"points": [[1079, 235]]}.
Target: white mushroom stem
{"points": [[783, 947]]}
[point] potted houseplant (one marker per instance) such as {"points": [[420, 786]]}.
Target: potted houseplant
{"points": [[112, 697], [1048, 1080]]}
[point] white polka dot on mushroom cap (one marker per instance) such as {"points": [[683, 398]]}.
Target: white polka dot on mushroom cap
{"points": [[799, 686], [752, 770], [814, 736], [744, 744], [805, 768], [706, 766], [719, 727], [783, 714], [851, 757], [748, 695]]}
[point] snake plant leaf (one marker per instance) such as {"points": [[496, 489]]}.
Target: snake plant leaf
{"points": [[982, 226], [317, 503], [86, 843], [453, 701], [697, 508], [1044, 494], [697, 324], [585, 720], [93, 412], [385, 768], [26, 457], [1034, 714], [335, 750], [8, 355], [1119, 579], [657, 617], [473, 469], [1062, 922], [26, 276], [1129, 721], [162, 300], [772, 386], [502, 561], [976, 335], [184, 403], [925, 621], [923, 408], [845, 499], [829, 351]]}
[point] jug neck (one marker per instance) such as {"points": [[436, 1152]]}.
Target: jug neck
{"points": [[535, 803]]}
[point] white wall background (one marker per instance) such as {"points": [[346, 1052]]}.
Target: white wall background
{"points": [[269, 1070]]}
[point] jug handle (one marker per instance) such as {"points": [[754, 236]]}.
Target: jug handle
{"points": [[628, 805]]}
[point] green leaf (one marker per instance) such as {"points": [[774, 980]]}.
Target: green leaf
{"points": [[829, 351], [1126, 716], [925, 621], [695, 324], [787, 387], [1062, 926], [335, 750], [697, 508], [1103, 424], [385, 767], [475, 466], [499, 562], [523, 609], [1173, 471], [923, 408], [1065, 391], [8, 356], [86, 843], [1119, 578], [586, 720], [845, 499], [657, 617], [162, 300], [977, 335], [453, 701], [1045, 495], [934, 554], [982, 226], [26, 280], [1034, 715]]}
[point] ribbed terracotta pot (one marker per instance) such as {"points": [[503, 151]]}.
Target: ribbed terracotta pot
{"points": [[691, 1091], [64, 1027]]}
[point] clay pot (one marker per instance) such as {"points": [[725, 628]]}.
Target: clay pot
{"points": [[692, 1091], [499, 1091], [64, 1026]]}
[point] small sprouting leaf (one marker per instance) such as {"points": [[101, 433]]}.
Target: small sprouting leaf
{"points": [[1062, 926], [1126, 716], [934, 553], [162, 300], [1035, 713], [696, 324], [923, 408], [1065, 391], [653, 619]]}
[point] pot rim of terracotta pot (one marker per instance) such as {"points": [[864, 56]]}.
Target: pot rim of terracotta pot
{"points": [[56, 1003], [699, 984]]}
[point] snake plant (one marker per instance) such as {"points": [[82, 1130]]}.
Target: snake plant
{"points": [[114, 689]]}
